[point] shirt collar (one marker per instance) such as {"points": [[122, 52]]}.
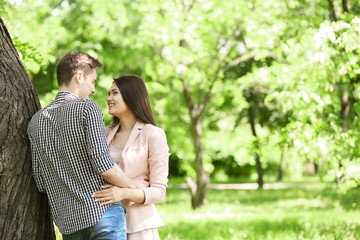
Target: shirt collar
{"points": [[65, 96], [62, 97]]}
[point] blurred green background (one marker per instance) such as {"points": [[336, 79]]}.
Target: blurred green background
{"points": [[255, 91]]}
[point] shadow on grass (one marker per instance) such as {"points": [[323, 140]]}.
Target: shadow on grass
{"points": [[328, 197], [253, 197]]}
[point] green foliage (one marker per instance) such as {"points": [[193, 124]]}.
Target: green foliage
{"points": [[296, 62]]}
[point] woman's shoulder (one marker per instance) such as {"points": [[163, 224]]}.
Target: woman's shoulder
{"points": [[156, 138], [152, 128], [153, 131]]}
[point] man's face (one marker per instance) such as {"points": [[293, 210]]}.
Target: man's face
{"points": [[87, 86]]}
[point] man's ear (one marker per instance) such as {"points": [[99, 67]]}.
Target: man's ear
{"points": [[78, 76]]}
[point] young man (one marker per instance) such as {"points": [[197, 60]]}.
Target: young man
{"points": [[71, 158]]}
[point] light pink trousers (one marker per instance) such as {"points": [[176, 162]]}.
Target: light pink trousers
{"points": [[148, 234]]}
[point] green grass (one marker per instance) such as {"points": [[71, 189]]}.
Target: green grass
{"points": [[317, 212]]}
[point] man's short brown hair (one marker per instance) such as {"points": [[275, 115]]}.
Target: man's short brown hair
{"points": [[72, 62]]}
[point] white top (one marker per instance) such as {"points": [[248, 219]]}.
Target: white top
{"points": [[115, 154]]}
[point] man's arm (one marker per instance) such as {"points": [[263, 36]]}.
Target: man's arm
{"points": [[35, 166], [98, 149]]}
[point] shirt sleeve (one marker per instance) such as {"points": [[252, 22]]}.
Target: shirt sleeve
{"points": [[35, 166], [158, 167], [96, 139]]}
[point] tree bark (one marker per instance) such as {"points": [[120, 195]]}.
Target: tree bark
{"points": [[24, 212]]}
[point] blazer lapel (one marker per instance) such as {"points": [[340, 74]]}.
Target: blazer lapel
{"points": [[111, 134], [134, 133]]}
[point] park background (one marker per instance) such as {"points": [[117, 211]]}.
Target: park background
{"points": [[259, 100]]}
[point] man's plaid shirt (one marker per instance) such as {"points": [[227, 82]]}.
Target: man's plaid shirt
{"points": [[69, 150]]}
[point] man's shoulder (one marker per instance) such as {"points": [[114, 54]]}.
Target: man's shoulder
{"points": [[90, 106], [86, 106], [84, 102], [36, 115], [34, 120]]}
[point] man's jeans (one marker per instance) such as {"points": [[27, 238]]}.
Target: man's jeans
{"points": [[112, 226]]}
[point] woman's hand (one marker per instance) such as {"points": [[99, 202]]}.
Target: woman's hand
{"points": [[110, 194], [142, 181]]}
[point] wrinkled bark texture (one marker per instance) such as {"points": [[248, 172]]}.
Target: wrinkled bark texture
{"points": [[24, 212]]}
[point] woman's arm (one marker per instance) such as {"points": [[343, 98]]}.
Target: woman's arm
{"points": [[158, 166], [155, 190], [112, 194]]}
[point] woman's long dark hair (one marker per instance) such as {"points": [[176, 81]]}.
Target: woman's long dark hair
{"points": [[136, 97]]}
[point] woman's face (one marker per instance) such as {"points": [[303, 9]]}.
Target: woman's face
{"points": [[117, 106]]}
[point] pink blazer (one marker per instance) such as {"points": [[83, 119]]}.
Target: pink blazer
{"points": [[145, 154]]}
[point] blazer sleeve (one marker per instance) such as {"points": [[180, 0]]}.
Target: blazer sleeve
{"points": [[158, 166]]}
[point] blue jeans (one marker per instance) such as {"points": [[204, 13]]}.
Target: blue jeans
{"points": [[112, 226]]}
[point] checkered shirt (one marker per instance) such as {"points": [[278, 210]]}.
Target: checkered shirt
{"points": [[69, 150]]}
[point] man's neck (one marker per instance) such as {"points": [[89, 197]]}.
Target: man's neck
{"points": [[69, 89]]}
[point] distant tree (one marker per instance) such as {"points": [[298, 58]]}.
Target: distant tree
{"points": [[24, 212], [192, 53]]}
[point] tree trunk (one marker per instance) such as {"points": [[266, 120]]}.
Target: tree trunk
{"points": [[24, 212], [316, 168], [345, 109], [257, 157], [281, 170], [198, 189], [345, 6], [332, 10]]}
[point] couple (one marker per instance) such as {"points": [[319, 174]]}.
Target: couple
{"points": [[92, 174]]}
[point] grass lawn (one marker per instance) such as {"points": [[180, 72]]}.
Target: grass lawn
{"points": [[316, 212]]}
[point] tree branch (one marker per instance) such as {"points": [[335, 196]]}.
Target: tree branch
{"points": [[187, 92], [332, 10], [243, 58], [239, 60], [228, 45], [187, 8]]}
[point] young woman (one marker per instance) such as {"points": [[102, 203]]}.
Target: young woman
{"points": [[141, 150]]}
